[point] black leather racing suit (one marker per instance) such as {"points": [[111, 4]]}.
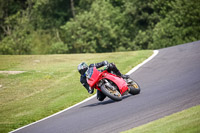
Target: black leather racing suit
{"points": [[110, 67]]}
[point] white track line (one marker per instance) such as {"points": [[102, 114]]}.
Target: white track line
{"points": [[131, 71], [54, 114], [155, 52]]}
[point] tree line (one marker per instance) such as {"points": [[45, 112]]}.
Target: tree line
{"points": [[83, 26]]}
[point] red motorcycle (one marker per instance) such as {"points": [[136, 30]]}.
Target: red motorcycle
{"points": [[111, 85]]}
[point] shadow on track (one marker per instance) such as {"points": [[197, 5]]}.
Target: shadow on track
{"points": [[109, 101]]}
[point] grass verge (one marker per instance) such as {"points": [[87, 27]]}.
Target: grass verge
{"points": [[50, 83], [186, 121]]}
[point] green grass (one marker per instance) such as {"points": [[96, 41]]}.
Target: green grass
{"points": [[50, 83], [187, 121]]}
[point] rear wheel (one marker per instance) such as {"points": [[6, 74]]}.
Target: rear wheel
{"points": [[112, 94], [134, 88]]}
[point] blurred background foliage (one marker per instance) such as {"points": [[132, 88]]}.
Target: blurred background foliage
{"points": [[95, 26]]}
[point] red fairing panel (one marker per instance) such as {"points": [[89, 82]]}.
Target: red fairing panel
{"points": [[93, 76], [122, 85]]}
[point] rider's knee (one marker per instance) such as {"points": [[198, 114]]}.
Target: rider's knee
{"points": [[100, 96]]}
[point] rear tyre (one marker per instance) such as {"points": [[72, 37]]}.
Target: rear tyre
{"points": [[134, 88], [114, 95]]}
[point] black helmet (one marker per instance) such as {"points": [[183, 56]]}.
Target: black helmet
{"points": [[82, 68]]}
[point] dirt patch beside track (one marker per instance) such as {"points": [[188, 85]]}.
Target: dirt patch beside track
{"points": [[11, 72]]}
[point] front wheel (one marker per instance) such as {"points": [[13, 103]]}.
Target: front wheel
{"points": [[134, 88], [112, 94]]}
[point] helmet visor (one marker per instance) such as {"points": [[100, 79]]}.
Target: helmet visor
{"points": [[82, 68]]}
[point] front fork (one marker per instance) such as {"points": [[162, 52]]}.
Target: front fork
{"points": [[132, 83], [129, 83]]}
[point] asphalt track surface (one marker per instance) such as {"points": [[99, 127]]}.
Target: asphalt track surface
{"points": [[169, 83]]}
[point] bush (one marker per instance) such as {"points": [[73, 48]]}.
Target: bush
{"points": [[181, 25], [58, 48], [17, 43], [97, 30]]}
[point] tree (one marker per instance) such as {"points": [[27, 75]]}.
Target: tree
{"points": [[72, 8], [33, 26], [96, 30], [181, 25], [69, 26], [8, 8]]}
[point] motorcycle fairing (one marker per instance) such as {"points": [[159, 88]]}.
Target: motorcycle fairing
{"points": [[121, 83], [92, 76]]}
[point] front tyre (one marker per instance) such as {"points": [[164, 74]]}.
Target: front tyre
{"points": [[134, 88], [112, 94]]}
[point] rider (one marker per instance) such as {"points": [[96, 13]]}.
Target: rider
{"points": [[83, 67]]}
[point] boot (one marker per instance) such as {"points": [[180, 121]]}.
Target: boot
{"points": [[124, 76]]}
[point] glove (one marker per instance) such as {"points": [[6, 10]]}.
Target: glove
{"points": [[105, 67]]}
